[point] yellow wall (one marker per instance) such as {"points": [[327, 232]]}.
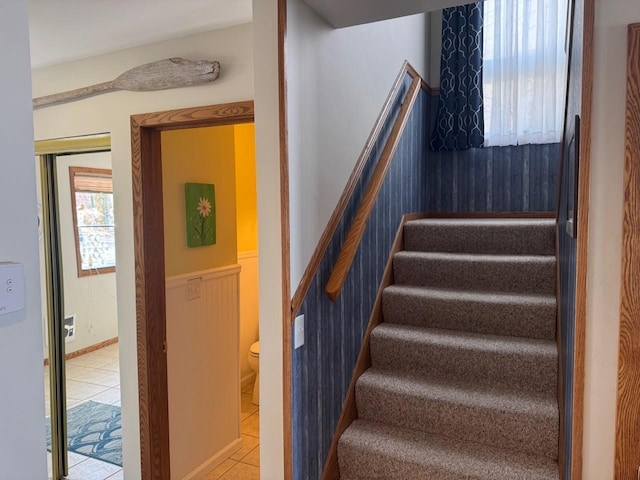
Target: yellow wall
{"points": [[200, 155], [246, 201]]}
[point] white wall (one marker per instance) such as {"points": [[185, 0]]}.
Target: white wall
{"points": [[265, 48], [22, 440], [338, 81], [92, 298], [605, 234], [111, 113]]}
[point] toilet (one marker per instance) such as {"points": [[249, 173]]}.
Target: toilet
{"points": [[254, 363]]}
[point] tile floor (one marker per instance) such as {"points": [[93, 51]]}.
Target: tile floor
{"points": [[96, 376], [93, 376], [245, 463]]}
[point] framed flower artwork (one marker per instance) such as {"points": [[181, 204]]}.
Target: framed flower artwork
{"points": [[201, 214]]}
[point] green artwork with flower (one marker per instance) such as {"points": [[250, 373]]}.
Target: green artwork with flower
{"points": [[201, 214]]}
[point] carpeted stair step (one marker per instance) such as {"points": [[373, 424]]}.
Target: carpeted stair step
{"points": [[526, 423], [516, 364], [532, 236], [502, 273], [520, 315], [369, 450]]}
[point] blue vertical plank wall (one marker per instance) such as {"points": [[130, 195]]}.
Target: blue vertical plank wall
{"points": [[519, 178], [322, 368], [567, 255]]}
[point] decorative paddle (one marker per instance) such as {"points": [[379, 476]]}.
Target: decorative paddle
{"points": [[160, 75]]}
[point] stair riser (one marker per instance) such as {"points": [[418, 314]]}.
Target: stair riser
{"points": [[469, 238], [520, 320], [536, 275], [359, 464], [533, 434], [518, 371]]}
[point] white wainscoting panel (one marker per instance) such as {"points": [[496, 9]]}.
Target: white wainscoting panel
{"points": [[203, 369], [248, 311]]}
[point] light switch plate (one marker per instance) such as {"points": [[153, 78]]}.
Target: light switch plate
{"points": [[298, 331], [11, 287]]}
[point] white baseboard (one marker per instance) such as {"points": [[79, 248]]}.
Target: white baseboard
{"points": [[247, 380], [211, 464]]}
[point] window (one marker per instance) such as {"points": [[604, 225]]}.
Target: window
{"points": [[92, 206], [524, 71]]}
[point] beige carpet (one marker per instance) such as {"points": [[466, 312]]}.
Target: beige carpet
{"points": [[463, 383]]}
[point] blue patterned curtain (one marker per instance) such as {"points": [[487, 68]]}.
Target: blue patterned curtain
{"points": [[460, 120]]}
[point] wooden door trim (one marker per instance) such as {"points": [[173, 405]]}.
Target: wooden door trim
{"points": [[148, 226], [584, 181], [286, 252], [627, 450]]}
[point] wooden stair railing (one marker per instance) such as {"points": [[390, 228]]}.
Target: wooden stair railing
{"points": [[349, 189], [354, 237]]}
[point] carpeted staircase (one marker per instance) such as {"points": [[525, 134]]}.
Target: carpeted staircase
{"points": [[463, 379]]}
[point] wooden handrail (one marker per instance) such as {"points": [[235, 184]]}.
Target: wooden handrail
{"points": [[338, 212], [354, 237]]}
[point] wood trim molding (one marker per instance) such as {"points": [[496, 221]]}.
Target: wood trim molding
{"points": [[628, 402], [582, 239], [349, 413], [286, 251], [87, 143], [148, 226], [356, 231], [336, 216], [85, 350]]}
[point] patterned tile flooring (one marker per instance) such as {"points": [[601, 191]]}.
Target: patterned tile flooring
{"points": [[96, 376]]}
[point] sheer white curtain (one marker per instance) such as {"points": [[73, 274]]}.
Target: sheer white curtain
{"points": [[524, 71]]}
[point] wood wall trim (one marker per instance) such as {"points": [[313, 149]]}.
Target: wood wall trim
{"points": [[148, 226], [336, 216], [582, 239], [85, 350], [286, 249], [628, 401], [356, 231], [349, 413], [83, 144]]}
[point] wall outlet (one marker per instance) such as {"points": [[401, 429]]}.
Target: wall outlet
{"points": [[298, 331], [70, 328], [11, 287], [193, 288]]}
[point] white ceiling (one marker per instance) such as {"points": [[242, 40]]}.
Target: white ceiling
{"points": [[64, 30], [346, 13]]}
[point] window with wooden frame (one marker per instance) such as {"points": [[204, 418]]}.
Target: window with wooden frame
{"points": [[93, 221]]}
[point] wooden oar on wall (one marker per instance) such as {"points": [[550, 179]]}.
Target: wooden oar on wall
{"points": [[160, 75]]}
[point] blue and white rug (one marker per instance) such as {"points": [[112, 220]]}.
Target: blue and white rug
{"points": [[94, 430]]}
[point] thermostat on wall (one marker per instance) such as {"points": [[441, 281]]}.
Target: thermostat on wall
{"points": [[11, 287]]}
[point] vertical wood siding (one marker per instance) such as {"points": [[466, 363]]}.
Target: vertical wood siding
{"points": [[519, 178], [322, 368]]}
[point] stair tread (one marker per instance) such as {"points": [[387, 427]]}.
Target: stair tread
{"points": [[374, 450], [478, 257], [467, 340], [461, 392], [488, 296], [530, 315], [485, 222], [489, 235]]}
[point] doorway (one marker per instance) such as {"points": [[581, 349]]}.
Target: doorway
{"points": [[151, 271], [81, 365]]}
